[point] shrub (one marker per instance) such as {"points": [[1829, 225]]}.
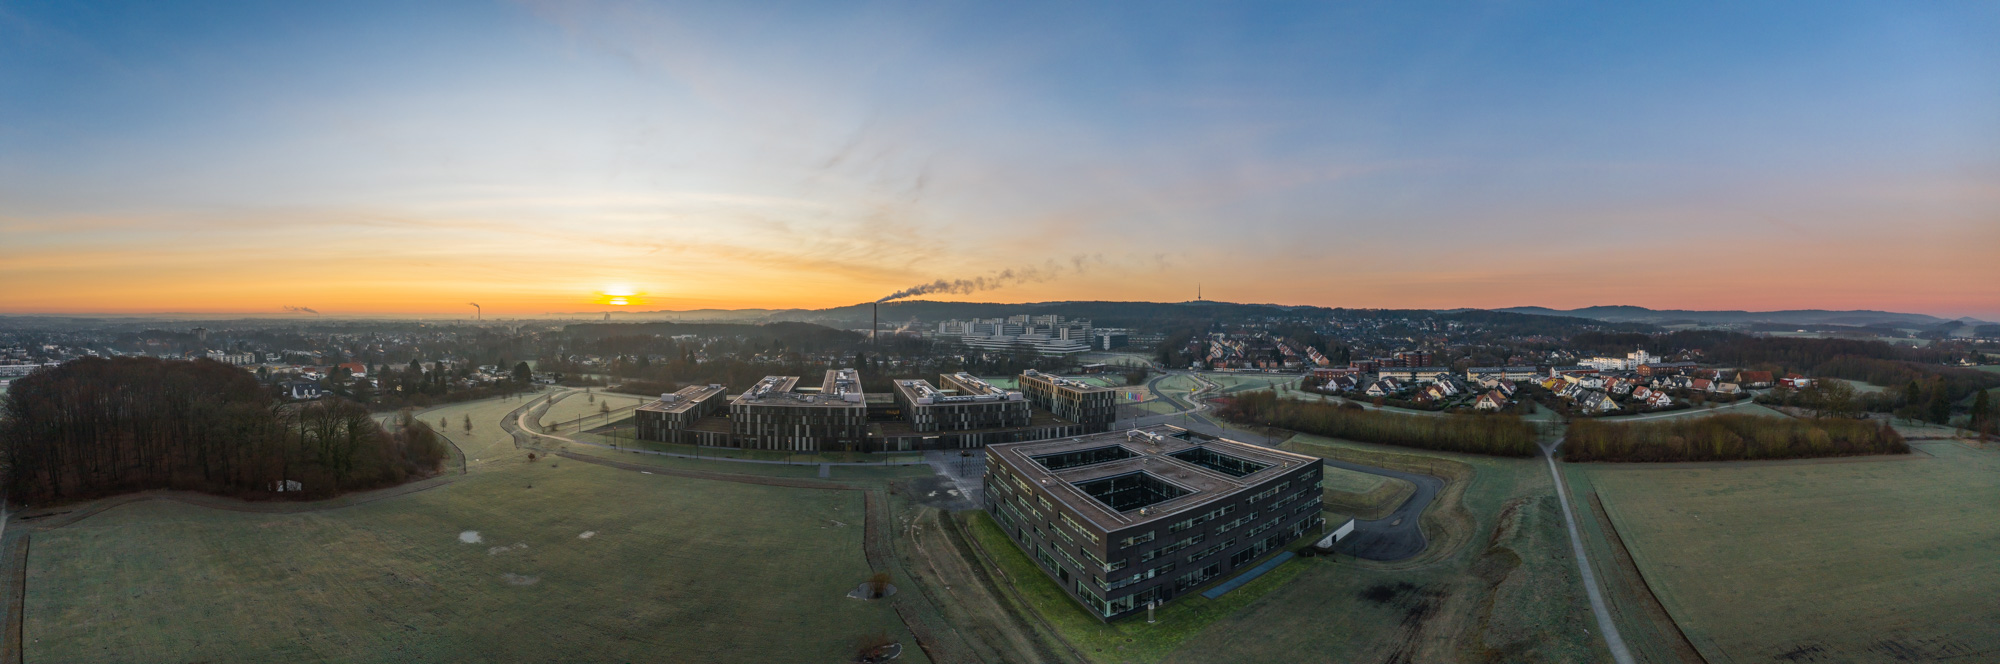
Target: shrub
{"points": [[1728, 438], [1499, 435], [97, 426]]}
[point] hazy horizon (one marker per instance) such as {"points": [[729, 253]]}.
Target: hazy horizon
{"points": [[382, 158]]}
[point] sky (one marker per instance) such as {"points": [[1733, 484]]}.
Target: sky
{"points": [[537, 157]]}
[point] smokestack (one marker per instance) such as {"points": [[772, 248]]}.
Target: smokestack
{"points": [[874, 323]]}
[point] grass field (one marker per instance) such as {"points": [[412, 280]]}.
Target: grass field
{"points": [[1862, 387], [1827, 561], [570, 562], [1501, 587], [1361, 495], [1125, 640], [759, 469], [579, 405], [485, 443], [1350, 481]]}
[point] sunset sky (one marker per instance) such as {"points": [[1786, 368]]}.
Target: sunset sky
{"points": [[543, 157]]}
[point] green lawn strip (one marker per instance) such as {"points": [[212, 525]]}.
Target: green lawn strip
{"points": [[1128, 639]]}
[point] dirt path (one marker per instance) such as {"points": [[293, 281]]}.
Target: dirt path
{"points": [[1605, 625], [943, 570]]}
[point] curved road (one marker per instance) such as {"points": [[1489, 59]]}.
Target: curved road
{"points": [[1397, 536]]}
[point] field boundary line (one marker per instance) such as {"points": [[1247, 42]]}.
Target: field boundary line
{"points": [[1622, 557]]}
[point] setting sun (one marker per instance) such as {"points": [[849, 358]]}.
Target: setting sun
{"points": [[620, 296]]}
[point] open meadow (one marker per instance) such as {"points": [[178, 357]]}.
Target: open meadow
{"points": [[583, 408], [1868, 559], [1498, 584], [540, 561]]}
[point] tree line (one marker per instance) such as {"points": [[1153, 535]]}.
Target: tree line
{"points": [[1728, 438], [1498, 435], [94, 427]]}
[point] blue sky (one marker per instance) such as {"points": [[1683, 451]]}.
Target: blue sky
{"points": [[174, 156]]}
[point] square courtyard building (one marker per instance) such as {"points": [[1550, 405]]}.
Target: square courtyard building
{"points": [[1124, 518]]}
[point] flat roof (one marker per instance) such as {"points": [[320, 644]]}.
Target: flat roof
{"points": [[686, 398], [840, 389], [921, 392], [1060, 381], [1151, 451]]}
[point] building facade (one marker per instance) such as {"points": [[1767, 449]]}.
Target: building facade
{"points": [[775, 415], [965, 403], [1127, 519], [1089, 405], [672, 419]]}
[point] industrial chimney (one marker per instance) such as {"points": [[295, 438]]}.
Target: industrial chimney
{"points": [[874, 323]]}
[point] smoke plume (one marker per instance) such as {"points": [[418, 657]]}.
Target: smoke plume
{"points": [[1001, 279], [300, 310]]}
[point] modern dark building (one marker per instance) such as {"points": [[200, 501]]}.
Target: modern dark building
{"points": [[966, 403], [965, 412], [960, 411], [1145, 515], [672, 418], [1089, 405], [776, 415]]}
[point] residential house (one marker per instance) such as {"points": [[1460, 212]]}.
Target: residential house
{"points": [[1594, 401], [1491, 400], [300, 390]]}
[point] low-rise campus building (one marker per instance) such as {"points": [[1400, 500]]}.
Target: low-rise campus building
{"points": [[1128, 518], [672, 418], [776, 415], [959, 411], [1092, 406]]}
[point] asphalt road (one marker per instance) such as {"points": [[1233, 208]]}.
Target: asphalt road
{"points": [[1396, 536]]}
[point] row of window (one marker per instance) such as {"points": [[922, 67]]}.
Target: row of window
{"points": [[1247, 518], [1191, 522], [1210, 551]]}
